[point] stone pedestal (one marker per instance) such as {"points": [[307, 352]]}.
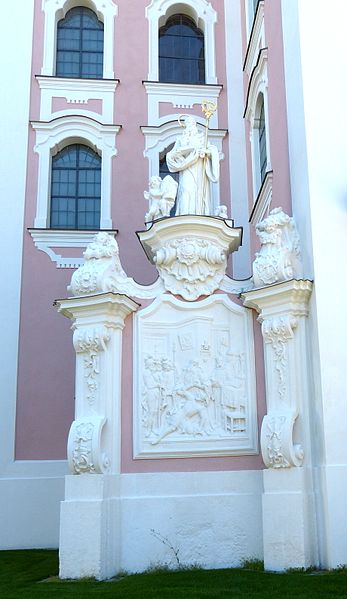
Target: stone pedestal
{"points": [[89, 539], [190, 252], [90, 527], [288, 511]]}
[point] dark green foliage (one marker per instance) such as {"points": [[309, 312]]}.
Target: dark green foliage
{"points": [[33, 575]]}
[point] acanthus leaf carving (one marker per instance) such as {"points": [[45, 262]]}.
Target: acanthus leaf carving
{"points": [[90, 343], [277, 331], [279, 255], [278, 449], [85, 455]]}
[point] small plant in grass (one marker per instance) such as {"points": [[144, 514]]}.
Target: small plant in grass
{"points": [[157, 569], [157, 535], [308, 570], [253, 564]]}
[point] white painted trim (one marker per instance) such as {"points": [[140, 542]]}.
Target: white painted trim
{"points": [[77, 91], [47, 239], [180, 96], [257, 39], [51, 137], [205, 17], [258, 84], [158, 138], [262, 205], [55, 10]]}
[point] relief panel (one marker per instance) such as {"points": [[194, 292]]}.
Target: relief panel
{"points": [[194, 380]]}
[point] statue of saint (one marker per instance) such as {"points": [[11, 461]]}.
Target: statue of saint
{"points": [[197, 162]]}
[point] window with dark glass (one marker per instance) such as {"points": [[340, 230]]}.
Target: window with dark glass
{"points": [[262, 142], [80, 45], [76, 188], [164, 170], [163, 167], [181, 51]]}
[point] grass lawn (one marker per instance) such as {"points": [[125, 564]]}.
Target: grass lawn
{"points": [[32, 574]]}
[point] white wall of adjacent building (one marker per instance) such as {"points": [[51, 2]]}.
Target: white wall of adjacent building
{"points": [[315, 49]]}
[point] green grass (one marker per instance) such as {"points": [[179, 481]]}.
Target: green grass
{"points": [[33, 575]]}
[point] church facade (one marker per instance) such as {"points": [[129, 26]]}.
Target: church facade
{"points": [[174, 209]]}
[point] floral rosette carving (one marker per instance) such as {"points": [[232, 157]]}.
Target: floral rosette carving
{"points": [[191, 267]]}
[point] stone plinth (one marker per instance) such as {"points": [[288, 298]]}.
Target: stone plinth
{"points": [[190, 252]]}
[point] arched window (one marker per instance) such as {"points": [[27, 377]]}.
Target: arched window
{"points": [[80, 45], [262, 141], [163, 167], [181, 51], [76, 188]]}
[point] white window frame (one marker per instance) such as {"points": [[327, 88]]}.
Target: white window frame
{"points": [[180, 96], [55, 10], [255, 34], [204, 16], [258, 85], [53, 137], [157, 139]]}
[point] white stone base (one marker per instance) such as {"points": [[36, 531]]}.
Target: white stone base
{"points": [[210, 518], [89, 527], [288, 520]]}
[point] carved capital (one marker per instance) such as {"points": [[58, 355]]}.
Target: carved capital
{"points": [[277, 446], [85, 455], [278, 329], [90, 340], [279, 256]]}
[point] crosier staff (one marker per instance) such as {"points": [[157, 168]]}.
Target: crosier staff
{"points": [[208, 108]]}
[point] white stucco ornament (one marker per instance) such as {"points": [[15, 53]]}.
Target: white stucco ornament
{"points": [[194, 391], [102, 271], [190, 252], [197, 162], [161, 196], [277, 447], [279, 256]]}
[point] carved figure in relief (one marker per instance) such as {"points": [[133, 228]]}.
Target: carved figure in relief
{"points": [[152, 395], [197, 163], [161, 195], [205, 397]]}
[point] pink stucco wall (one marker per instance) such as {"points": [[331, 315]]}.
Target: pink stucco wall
{"points": [[46, 358], [93, 105], [278, 132]]}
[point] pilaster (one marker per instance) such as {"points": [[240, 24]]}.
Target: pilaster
{"points": [[288, 512], [89, 539]]}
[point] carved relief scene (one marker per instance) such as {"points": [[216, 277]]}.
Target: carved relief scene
{"points": [[193, 392]]}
